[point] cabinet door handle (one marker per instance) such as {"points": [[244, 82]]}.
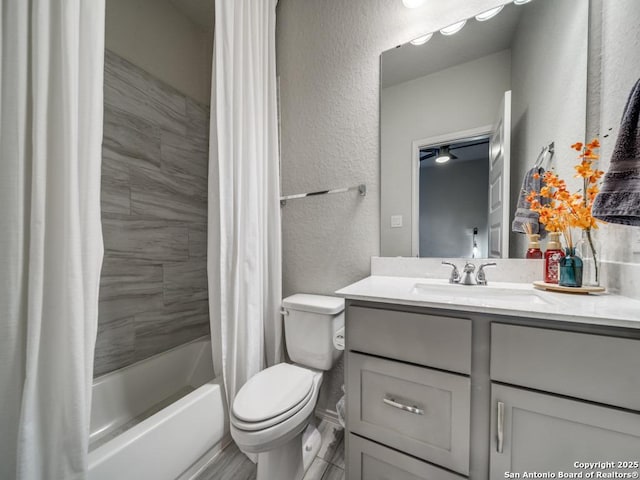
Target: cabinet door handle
{"points": [[500, 427], [405, 408]]}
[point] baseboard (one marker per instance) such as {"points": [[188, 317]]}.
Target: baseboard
{"points": [[328, 415]]}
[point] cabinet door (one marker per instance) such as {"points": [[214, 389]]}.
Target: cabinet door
{"points": [[372, 461], [536, 432]]}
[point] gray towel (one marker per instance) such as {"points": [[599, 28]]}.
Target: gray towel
{"points": [[523, 214], [619, 197]]}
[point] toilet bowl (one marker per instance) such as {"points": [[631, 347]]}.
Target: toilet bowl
{"points": [[271, 414]]}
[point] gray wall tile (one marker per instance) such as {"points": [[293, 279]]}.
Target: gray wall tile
{"points": [[160, 330], [130, 89], [115, 345], [185, 281], [128, 136], [153, 289], [143, 238], [168, 196], [198, 240], [188, 155]]}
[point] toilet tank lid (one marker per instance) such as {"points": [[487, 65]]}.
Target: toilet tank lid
{"points": [[306, 302]]}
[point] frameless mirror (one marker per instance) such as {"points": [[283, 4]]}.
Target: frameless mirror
{"points": [[463, 117]]}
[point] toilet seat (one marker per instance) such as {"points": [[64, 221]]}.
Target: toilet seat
{"points": [[256, 437], [272, 396]]}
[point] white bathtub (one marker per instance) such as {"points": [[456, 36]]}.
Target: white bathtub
{"points": [[170, 441]]}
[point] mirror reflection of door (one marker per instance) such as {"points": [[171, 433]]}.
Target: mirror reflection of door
{"points": [[453, 198], [499, 174]]}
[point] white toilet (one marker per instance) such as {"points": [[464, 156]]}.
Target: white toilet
{"points": [[271, 413]]}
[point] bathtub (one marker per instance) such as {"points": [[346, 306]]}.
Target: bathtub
{"points": [[157, 418]]}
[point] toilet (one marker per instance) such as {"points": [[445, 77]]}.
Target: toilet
{"points": [[271, 413]]}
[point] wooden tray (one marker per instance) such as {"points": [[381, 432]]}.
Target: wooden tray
{"points": [[554, 287]]}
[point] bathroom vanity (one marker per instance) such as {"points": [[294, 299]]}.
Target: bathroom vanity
{"points": [[449, 382]]}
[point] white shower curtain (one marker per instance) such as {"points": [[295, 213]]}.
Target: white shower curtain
{"points": [[244, 251], [51, 63]]}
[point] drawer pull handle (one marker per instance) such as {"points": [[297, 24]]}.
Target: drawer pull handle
{"points": [[406, 408], [500, 427]]}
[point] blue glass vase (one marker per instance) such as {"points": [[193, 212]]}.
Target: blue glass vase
{"points": [[570, 269]]}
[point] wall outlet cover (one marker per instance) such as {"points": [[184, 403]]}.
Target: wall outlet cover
{"points": [[396, 221]]}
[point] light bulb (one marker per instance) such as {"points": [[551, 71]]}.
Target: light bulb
{"points": [[455, 28], [484, 16], [412, 3], [421, 40], [443, 159]]}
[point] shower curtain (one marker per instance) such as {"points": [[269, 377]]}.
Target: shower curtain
{"points": [[244, 241], [51, 62]]}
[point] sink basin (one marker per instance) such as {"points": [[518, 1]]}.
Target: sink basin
{"points": [[479, 294]]}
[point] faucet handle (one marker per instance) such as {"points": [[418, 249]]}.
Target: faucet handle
{"points": [[455, 274], [481, 278]]}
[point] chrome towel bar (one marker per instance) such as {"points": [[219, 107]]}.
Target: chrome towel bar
{"points": [[362, 190]]}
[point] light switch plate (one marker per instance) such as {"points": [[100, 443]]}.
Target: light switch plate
{"points": [[396, 221]]}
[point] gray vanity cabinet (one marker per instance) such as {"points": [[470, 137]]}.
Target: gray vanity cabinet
{"points": [[372, 461], [434, 395], [538, 432], [408, 390]]}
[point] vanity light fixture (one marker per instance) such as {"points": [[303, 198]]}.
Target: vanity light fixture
{"points": [[452, 29], [412, 3], [484, 16], [422, 39], [444, 155]]}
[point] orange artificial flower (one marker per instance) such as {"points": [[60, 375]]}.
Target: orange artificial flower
{"points": [[565, 210]]}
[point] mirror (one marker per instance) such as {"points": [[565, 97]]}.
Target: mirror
{"points": [[491, 97]]}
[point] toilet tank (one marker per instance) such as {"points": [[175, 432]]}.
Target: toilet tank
{"points": [[310, 322]]}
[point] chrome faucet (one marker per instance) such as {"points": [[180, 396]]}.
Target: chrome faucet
{"points": [[481, 278], [467, 273], [455, 274], [467, 277]]}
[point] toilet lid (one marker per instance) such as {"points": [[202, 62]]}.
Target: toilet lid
{"points": [[272, 392]]}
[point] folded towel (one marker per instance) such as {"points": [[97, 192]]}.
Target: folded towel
{"points": [[531, 182], [619, 197]]}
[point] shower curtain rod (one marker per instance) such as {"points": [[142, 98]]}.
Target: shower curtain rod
{"points": [[362, 189]]}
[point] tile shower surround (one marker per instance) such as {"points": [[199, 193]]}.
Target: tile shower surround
{"points": [[153, 289]]}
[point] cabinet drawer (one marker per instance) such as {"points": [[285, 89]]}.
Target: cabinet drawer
{"points": [[371, 461], [591, 367], [545, 433], [422, 412], [430, 340]]}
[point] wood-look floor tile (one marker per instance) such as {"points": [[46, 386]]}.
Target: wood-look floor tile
{"points": [[332, 435], [333, 473], [316, 470], [231, 464]]}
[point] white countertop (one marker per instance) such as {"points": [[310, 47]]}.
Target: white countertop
{"points": [[502, 298]]}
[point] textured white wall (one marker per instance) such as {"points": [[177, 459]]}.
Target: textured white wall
{"points": [[161, 40], [328, 62], [459, 98]]}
